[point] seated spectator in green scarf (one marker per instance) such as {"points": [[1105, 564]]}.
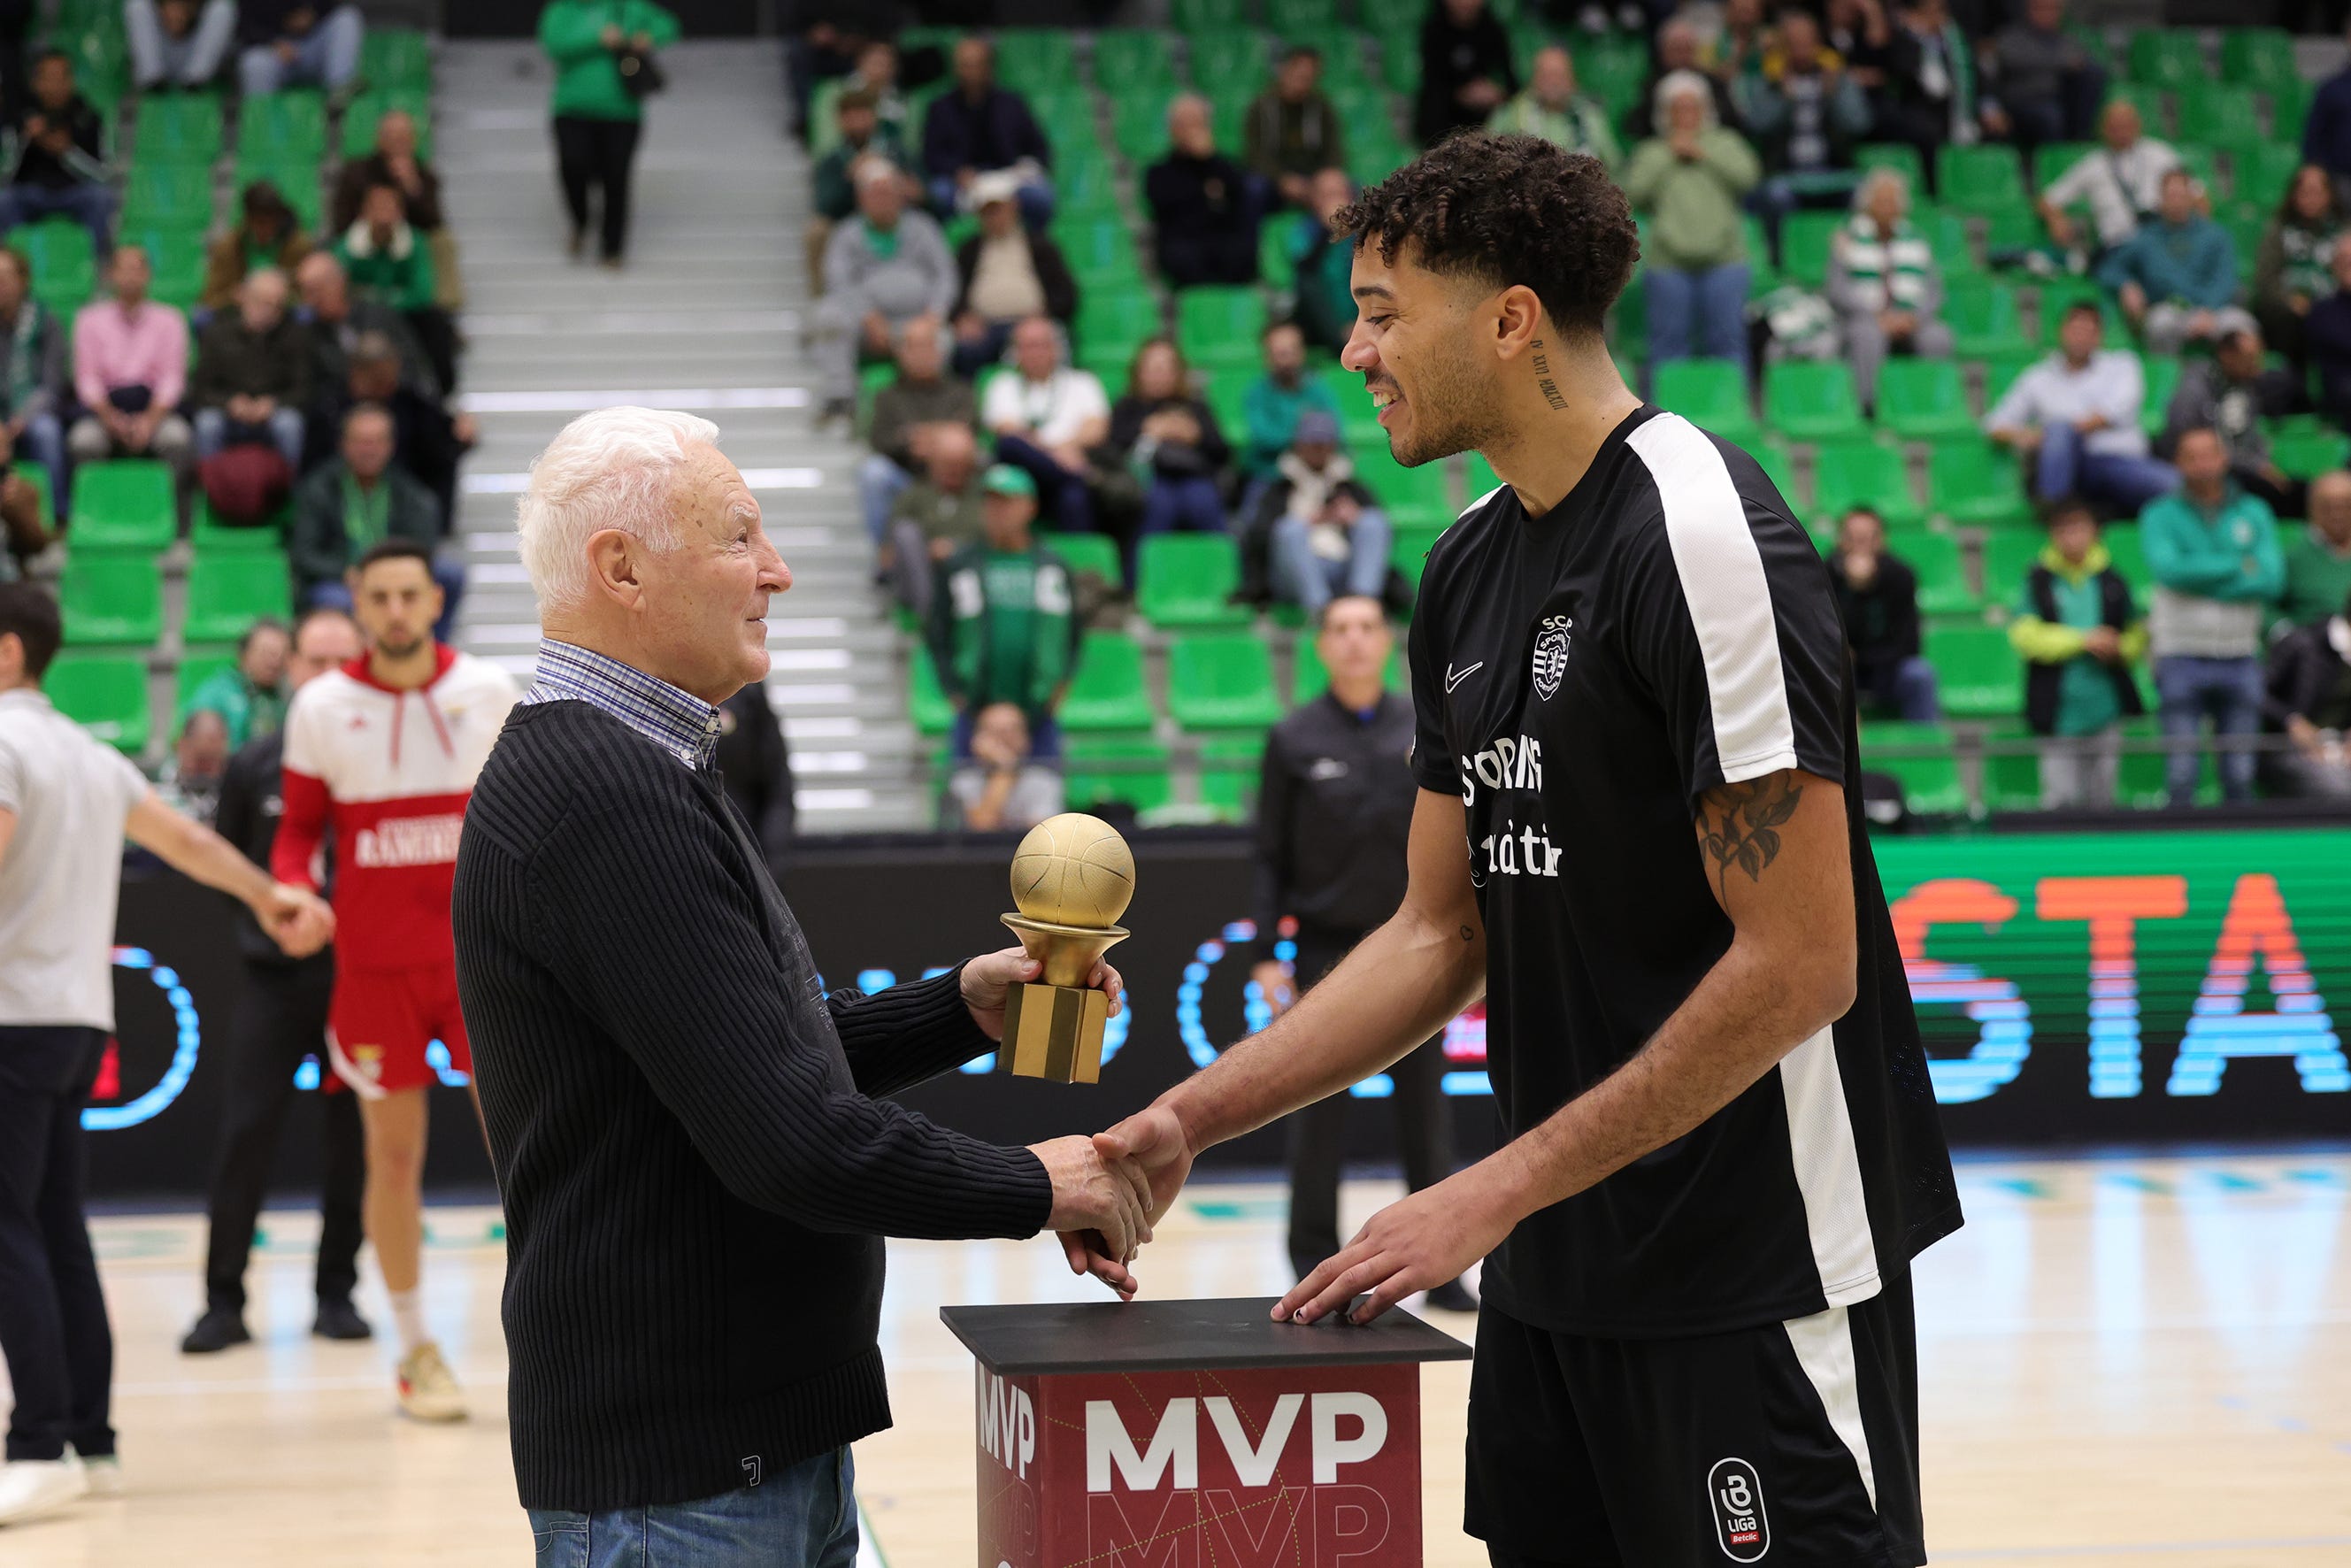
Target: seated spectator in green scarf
{"points": [[360, 498], [1003, 628], [250, 695]]}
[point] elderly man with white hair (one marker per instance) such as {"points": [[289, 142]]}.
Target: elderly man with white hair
{"points": [[885, 266], [1204, 204], [1688, 181], [696, 1158], [1884, 285]]}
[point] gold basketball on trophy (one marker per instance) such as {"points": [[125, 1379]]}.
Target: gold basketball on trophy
{"points": [[1073, 870], [1071, 878]]}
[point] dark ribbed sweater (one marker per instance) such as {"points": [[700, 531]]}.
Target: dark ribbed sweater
{"points": [[696, 1171]]}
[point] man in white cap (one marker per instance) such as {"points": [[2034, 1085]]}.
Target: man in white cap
{"points": [[1004, 273]]}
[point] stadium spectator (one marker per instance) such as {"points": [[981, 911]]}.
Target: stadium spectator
{"points": [[295, 43], [343, 508], [1688, 184], [1004, 631], [2176, 277], [2319, 560], [874, 76], [1003, 275], [427, 439], [1884, 285], [34, 382], [2308, 700], [935, 516], [1204, 205], [976, 128], [252, 379], [249, 695], [387, 259], [394, 162], [2292, 268], [835, 197], [597, 119], [922, 401], [337, 322], [1857, 31], [1551, 107], [2327, 333], [1291, 130], [266, 234], [1272, 404], [1465, 68], [130, 367], [2074, 418], [1734, 54], [1001, 787], [1677, 50], [882, 270], [177, 43], [755, 765], [2213, 552], [1168, 439], [23, 528], [1325, 534], [1877, 596], [2079, 633], [2041, 78], [2233, 394], [1931, 96], [1046, 416], [1805, 114], [2326, 132], [1324, 265], [190, 781], [61, 151]]}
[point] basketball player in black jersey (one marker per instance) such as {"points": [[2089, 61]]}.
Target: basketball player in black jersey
{"points": [[1639, 838]]}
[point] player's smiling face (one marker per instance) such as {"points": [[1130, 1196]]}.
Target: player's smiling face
{"points": [[1415, 345]]}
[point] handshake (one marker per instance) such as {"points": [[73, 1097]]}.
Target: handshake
{"points": [[1110, 1189]]}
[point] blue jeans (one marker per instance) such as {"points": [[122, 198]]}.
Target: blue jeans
{"points": [[1311, 581], [804, 1516], [2067, 467], [213, 429], [2189, 688], [90, 205], [333, 595], [1708, 306], [43, 440], [157, 57], [1907, 689], [327, 56], [879, 483], [1061, 494]]}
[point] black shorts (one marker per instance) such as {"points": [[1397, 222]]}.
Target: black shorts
{"points": [[1794, 1444]]}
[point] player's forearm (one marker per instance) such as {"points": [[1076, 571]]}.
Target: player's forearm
{"points": [[1393, 991], [1752, 1008], [195, 850]]}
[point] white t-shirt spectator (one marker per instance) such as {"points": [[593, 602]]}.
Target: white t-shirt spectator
{"points": [[2118, 186], [2051, 393], [71, 794], [1052, 411]]}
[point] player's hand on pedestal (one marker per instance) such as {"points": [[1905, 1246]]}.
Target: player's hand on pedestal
{"points": [[1416, 1245], [1098, 1210], [298, 920], [990, 979]]}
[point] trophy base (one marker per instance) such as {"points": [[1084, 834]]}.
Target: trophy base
{"points": [[1054, 1032]]}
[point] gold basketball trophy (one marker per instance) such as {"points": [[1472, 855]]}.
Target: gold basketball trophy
{"points": [[1071, 878]]}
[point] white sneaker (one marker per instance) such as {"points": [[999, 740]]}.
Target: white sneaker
{"points": [[31, 1488], [428, 1391], [103, 1474]]}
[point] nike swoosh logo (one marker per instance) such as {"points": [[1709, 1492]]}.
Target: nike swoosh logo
{"points": [[1454, 677]]}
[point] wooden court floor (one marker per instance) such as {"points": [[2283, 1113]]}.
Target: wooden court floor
{"points": [[2123, 1364]]}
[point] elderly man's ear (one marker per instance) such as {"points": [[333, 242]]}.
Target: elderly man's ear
{"points": [[612, 558]]}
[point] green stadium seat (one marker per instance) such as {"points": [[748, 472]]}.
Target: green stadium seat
{"points": [[1114, 321], [180, 129], [1098, 249], [1130, 57], [1293, 18], [64, 266], [1811, 401], [2148, 100], [2289, 108], [396, 59], [1096, 553], [926, 700], [283, 126], [1230, 768], [109, 598], [1408, 550], [1978, 673], [2219, 114], [2008, 555], [196, 666], [1107, 692], [176, 257], [1411, 497], [360, 120], [2000, 371], [1974, 482], [2306, 456], [1922, 400], [1898, 156], [1763, 272], [1199, 17], [1187, 580], [228, 591], [1849, 474], [106, 694], [1772, 458], [1130, 770], [1920, 756], [1710, 393], [1982, 317], [1392, 16], [1946, 237], [2011, 778], [122, 505], [1219, 325], [1232, 61], [2124, 543], [1031, 57], [1221, 680], [1804, 240], [1943, 585], [2165, 58], [2052, 159], [167, 195], [2161, 374], [1309, 680], [1979, 180]]}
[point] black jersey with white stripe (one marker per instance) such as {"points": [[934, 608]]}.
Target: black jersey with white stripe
{"points": [[1581, 678]]}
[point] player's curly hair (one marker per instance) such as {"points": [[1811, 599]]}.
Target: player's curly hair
{"points": [[1506, 210]]}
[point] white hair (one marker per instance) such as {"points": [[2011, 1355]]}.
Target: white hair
{"points": [[612, 468], [1682, 84]]}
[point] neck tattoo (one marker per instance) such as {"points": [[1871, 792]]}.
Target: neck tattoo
{"points": [[1543, 383]]}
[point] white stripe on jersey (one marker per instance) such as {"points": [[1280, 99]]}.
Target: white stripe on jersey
{"points": [[1728, 596], [1828, 1171], [1824, 1347], [1480, 501]]}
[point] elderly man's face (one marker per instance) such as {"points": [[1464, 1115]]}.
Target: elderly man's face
{"points": [[880, 200], [1677, 46], [1553, 79], [951, 457], [2203, 461], [327, 642], [2119, 127], [367, 445], [1035, 350], [326, 293], [975, 68], [1188, 128], [1885, 203], [2330, 508], [261, 301], [1686, 111], [706, 602]]}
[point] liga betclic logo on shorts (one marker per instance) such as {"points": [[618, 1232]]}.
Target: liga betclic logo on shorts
{"points": [[1739, 1522]]}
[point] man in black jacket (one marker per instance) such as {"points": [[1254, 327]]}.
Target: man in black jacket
{"points": [[60, 157], [690, 1134], [2310, 703], [1877, 596], [281, 1018], [977, 127], [1466, 69], [1335, 810], [1204, 204]]}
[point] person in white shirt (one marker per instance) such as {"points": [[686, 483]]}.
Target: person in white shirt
{"points": [[1045, 417], [67, 802], [2075, 417], [2122, 182]]}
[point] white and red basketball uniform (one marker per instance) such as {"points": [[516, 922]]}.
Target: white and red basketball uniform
{"points": [[388, 773]]}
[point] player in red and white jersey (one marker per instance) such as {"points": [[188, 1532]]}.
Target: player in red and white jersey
{"points": [[381, 757]]}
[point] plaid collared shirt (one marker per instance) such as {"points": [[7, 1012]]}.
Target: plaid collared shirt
{"points": [[678, 722]]}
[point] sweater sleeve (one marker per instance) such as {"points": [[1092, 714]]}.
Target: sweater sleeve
{"points": [[2181, 558], [908, 1034], [700, 1007]]}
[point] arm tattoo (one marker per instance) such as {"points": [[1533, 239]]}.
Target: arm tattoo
{"points": [[1543, 382], [1740, 823]]}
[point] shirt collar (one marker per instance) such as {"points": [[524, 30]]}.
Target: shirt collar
{"points": [[677, 721]]}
